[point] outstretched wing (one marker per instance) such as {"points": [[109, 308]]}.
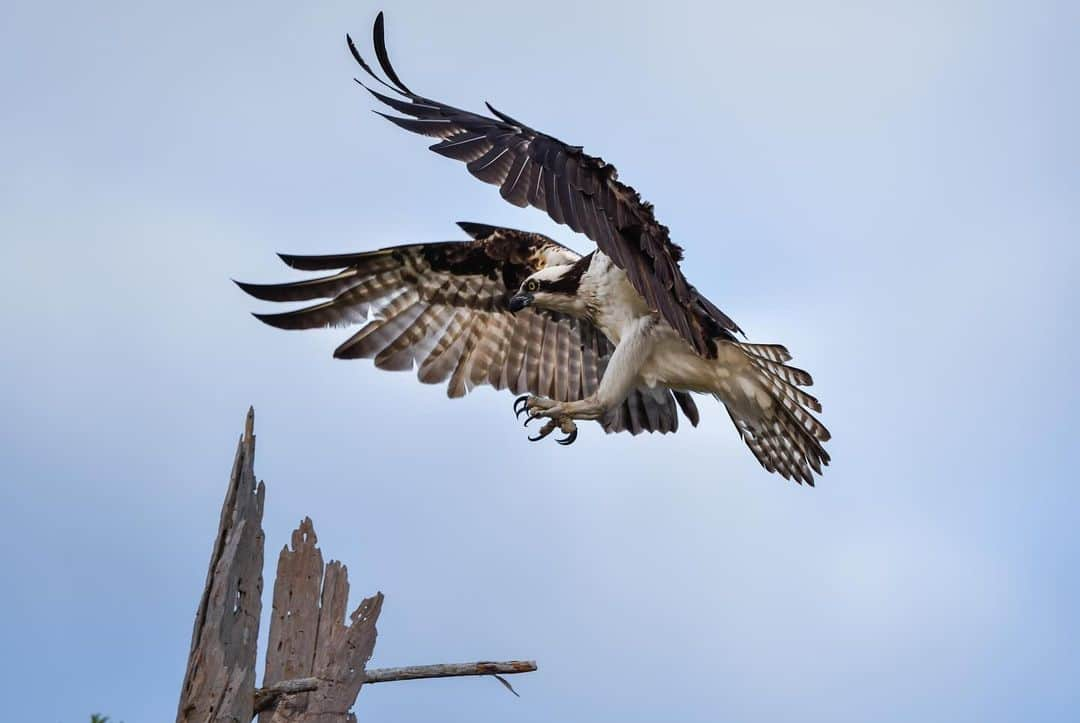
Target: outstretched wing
{"points": [[582, 191], [443, 308]]}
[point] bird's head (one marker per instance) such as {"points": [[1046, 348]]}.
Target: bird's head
{"points": [[554, 288]]}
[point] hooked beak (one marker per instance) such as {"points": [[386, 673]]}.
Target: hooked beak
{"points": [[520, 301]]}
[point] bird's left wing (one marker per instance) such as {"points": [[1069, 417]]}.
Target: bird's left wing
{"points": [[574, 188], [443, 309]]}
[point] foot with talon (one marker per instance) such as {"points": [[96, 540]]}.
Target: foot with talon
{"points": [[536, 407], [564, 424], [533, 406]]}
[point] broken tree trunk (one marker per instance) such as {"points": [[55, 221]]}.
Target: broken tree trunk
{"points": [[310, 639], [316, 662], [221, 667]]}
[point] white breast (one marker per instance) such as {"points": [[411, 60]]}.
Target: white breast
{"points": [[613, 302]]}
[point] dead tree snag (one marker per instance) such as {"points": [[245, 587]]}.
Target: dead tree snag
{"points": [[316, 661]]}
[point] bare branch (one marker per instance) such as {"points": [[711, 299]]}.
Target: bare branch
{"points": [[448, 670], [265, 698]]}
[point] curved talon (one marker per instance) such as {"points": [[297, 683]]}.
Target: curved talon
{"points": [[544, 431], [568, 439], [521, 405], [529, 420]]}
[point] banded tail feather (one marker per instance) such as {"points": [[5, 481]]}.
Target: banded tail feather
{"points": [[783, 434]]}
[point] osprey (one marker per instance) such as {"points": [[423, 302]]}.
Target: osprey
{"points": [[618, 335]]}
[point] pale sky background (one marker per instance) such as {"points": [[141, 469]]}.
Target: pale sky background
{"points": [[890, 189]]}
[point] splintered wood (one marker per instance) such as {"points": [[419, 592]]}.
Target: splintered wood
{"points": [[316, 661], [221, 667], [309, 637]]}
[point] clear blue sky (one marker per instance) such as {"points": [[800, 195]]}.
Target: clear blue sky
{"points": [[889, 189]]}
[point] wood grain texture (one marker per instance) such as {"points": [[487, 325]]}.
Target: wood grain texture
{"points": [[220, 674], [309, 637], [294, 621]]}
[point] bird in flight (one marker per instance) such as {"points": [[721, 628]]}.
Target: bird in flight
{"points": [[617, 335]]}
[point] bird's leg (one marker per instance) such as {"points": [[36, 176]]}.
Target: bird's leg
{"points": [[560, 415], [620, 378]]}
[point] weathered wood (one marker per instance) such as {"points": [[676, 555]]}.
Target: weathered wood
{"points": [[309, 636], [449, 670], [316, 661], [220, 672], [294, 621]]}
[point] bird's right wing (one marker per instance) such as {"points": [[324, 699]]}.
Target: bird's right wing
{"points": [[443, 308], [582, 191]]}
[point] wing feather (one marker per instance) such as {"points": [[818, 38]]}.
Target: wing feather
{"points": [[348, 307], [548, 349], [397, 316], [443, 358], [402, 353], [458, 385], [573, 366], [321, 288]]}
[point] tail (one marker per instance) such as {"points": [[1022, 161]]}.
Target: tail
{"points": [[773, 415]]}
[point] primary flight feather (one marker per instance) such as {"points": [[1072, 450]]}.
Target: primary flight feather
{"points": [[618, 336]]}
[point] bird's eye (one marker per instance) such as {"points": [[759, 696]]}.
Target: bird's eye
{"points": [[532, 285]]}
